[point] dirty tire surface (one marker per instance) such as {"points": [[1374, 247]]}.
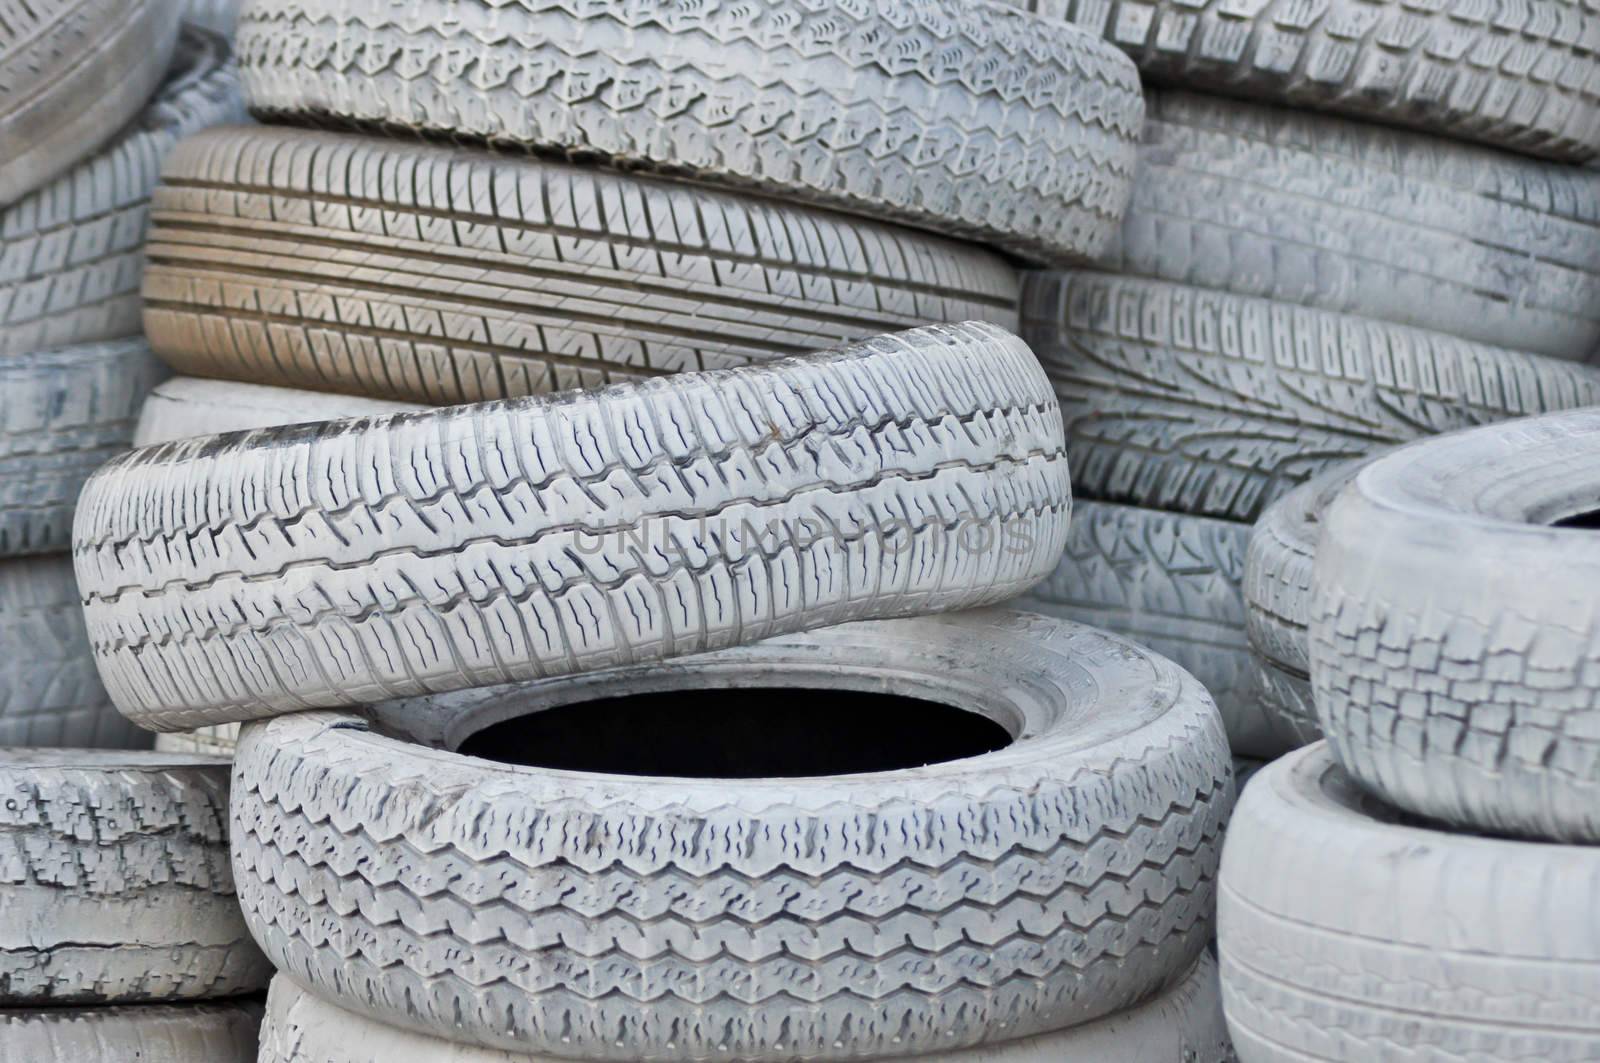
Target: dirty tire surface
{"points": [[1050, 882], [199, 1032], [1517, 76], [296, 567], [185, 406], [1168, 581], [71, 252], [1389, 224], [72, 73], [118, 881], [403, 270], [1202, 402], [1347, 933], [50, 693], [1183, 1023], [63, 414], [1454, 670], [982, 122]]}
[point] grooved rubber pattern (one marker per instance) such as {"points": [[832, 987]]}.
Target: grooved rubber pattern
{"points": [[1062, 878], [1170, 582], [1203, 402], [62, 415], [1521, 75], [1347, 934], [1385, 223], [50, 693], [233, 578], [1277, 568], [72, 73], [146, 1033], [443, 275], [1456, 670], [115, 871], [1184, 1023], [71, 253], [979, 121]]}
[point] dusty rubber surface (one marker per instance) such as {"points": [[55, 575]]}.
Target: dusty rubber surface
{"points": [[201, 1032]]}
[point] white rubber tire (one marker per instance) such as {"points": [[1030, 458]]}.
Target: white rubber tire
{"points": [[466, 275], [141, 1033], [1168, 581], [1203, 402], [1457, 670], [976, 120], [72, 251], [1347, 934], [116, 880], [1051, 882], [1351, 218], [72, 73], [772, 498], [63, 414], [50, 693], [1518, 76], [1184, 1023]]}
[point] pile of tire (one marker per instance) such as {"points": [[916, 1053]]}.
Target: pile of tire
{"points": [[1420, 884], [120, 934], [1354, 224], [564, 722]]}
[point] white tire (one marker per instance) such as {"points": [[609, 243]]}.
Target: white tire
{"points": [[1348, 934], [425, 552], [116, 881], [882, 913], [1456, 670], [974, 119], [1184, 1023], [139, 1033]]}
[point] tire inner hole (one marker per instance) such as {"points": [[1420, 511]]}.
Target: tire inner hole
{"points": [[753, 733], [1589, 520]]}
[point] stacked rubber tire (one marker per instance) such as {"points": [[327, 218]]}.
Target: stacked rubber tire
{"points": [[1419, 885], [1353, 224], [369, 535]]}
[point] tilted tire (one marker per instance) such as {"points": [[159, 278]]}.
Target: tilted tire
{"points": [[63, 414], [976, 120], [149, 1033], [1455, 668], [117, 885], [404, 270], [1204, 402], [1352, 218], [50, 693], [1347, 933], [71, 253], [1183, 1023], [883, 913], [1168, 581], [1520, 77], [72, 73], [480, 544]]}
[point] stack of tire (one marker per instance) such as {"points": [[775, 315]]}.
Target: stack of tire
{"points": [[1421, 884], [76, 172], [401, 609], [1354, 223]]}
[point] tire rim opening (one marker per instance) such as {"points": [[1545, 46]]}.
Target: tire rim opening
{"points": [[1589, 519], [769, 732]]}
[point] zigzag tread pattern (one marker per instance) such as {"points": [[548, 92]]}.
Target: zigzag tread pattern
{"points": [[72, 252], [1043, 888], [992, 125], [408, 271], [1320, 211], [1205, 402], [426, 552], [1517, 76], [115, 867]]}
